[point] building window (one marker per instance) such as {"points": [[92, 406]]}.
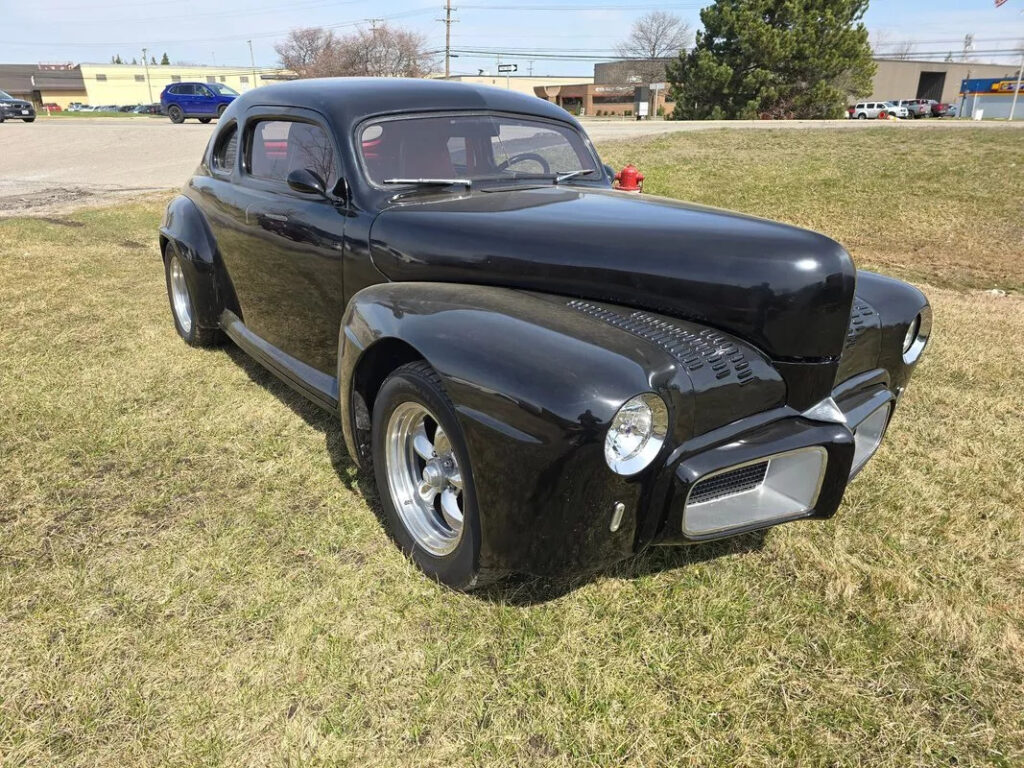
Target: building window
{"points": [[211, 78], [244, 79], [140, 78], [223, 79], [175, 78], [101, 77]]}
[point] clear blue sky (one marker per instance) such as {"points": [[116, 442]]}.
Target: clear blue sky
{"points": [[215, 31]]}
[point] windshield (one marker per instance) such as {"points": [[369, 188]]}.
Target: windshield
{"points": [[472, 147], [5, 95], [223, 90]]}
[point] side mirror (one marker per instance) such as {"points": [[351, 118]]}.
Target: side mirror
{"points": [[306, 181], [609, 172]]}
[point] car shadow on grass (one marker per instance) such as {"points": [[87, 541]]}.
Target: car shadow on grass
{"points": [[514, 590]]}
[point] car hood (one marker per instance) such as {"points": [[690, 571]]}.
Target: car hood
{"points": [[787, 290]]}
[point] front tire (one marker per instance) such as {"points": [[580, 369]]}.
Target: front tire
{"points": [[425, 482], [862, 116], [176, 114], [205, 120], [183, 307], [29, 119], [220, 110]]}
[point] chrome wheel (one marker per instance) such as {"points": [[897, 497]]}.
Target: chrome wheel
{"points": [[179, 297], [424, 479]]}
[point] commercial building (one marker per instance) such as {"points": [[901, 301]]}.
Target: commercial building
{"points": [[993, 97], [520, 83], [120, 84], [938, 80]]}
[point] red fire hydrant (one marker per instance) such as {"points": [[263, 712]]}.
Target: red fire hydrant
{"points": [[629, 179]]}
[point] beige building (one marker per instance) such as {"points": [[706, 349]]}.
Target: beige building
{"points": [[120, 84], [522, 84], [938, 80]]}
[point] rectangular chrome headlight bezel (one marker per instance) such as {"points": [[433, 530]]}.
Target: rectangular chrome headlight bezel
{"points": [[868, 435]]}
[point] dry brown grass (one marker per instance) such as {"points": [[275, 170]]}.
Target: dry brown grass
{"points": [[190, 573]]}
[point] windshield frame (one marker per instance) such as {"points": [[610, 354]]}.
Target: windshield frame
{"points": [[392, 189]]}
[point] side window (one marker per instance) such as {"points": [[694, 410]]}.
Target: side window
{"points": [[278, 147], [202, 90], [184, 90], [223, 160]]}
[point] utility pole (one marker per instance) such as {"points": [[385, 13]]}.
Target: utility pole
{"points": [[149, 85], [447, 38], [252, 60]]}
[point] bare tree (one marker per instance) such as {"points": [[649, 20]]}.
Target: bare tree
{"points": [[309, 52], [384, 51], [656, 35], [902, 51], [381, 51]]}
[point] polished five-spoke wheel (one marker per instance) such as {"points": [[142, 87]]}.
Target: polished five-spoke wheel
{"points": [[180, 302], [424, 478], [183, 305], [421, 464]]}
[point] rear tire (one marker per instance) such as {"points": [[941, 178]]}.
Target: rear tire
{"points": [[220, 110], [419, 452], [29, 119], [176, 114], [205, 120], [183, 307], [862, 116]]}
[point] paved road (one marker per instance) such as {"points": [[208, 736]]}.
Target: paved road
{"points": [[60, 163]]}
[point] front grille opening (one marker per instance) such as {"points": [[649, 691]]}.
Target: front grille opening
{"points": [[729, 483]]}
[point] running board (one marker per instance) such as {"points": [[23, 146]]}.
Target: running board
{"points": [[307, 381]]}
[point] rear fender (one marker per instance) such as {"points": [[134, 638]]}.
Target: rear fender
{"points": [[185, 231]]}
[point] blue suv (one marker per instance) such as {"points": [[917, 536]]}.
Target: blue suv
{"points": [[204, 101]]}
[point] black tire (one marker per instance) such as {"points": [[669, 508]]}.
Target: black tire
{"points": [[220, 110], [862, 116], [205, 120], [194, 336], [176, 114], [1, 117], [29, 119], [418, 383]]}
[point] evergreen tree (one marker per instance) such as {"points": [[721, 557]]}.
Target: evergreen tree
{"points": [[775, 59], [117, 59], [134, 60], [152, 60], [164, 61]]}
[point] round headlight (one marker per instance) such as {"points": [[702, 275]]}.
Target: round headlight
{"points": [[911, 337], [636, 434]]}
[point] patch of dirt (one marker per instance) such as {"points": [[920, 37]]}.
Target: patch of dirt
{"points": [[51, 203]]}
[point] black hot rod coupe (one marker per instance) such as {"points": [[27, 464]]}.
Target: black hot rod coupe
{"points": [[544, 374]]}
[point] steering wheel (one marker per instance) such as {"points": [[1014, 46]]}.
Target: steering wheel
{"points": [[526, 156]]}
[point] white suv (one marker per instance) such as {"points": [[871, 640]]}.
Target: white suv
{"points": [[870, 110]]}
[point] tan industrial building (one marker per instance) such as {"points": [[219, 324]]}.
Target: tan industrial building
{"points": [[120, 84], [938, 80], [520, 83]]}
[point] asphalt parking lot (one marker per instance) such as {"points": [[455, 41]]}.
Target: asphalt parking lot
{"points": [[57, 164]]}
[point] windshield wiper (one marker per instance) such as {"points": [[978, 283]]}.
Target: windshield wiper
{"points": [[431, 182], [561, 176]]}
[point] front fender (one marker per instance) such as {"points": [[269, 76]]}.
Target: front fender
{"points": [[535, 380]]}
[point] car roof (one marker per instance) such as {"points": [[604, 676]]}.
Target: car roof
{"points": [[348, 100]]}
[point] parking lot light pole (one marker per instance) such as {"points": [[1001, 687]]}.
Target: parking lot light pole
{"points": [[145, 63], [252, 61], [1016, 90]]}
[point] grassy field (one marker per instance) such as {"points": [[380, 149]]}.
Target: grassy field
{"points": [[191, 572]]}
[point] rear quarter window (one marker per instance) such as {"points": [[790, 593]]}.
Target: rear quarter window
{"points": [[225, 150]]}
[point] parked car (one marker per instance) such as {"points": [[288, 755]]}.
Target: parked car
{"points": [[76, 106], [916, 107], [127, 107], [16, 109], [204, 101], [870, 110], [938, 108], [896, 110], [543, 374], [147, 109], [51, 107]]}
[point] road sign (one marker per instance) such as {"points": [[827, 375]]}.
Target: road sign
{"points": [[505, 68]]}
